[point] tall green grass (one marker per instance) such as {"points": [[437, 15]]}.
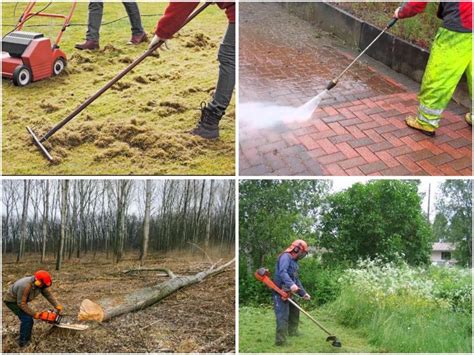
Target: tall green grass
{"points": [[407, 309]]}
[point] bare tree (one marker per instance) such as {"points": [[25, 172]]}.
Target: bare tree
{"points": [[146, 222], [24, 219], [45, 189], [64, 207]]}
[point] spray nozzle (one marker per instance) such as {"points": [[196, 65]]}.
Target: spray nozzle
{"points": [[331, 84]]}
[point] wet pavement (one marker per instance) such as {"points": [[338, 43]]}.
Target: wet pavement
{"points": [[359, 126]]}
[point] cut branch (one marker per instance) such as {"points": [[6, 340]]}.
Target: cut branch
{"points": [[108, 308], [166, 271]]}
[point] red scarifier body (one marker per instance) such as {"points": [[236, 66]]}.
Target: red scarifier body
{"points": [[28, 56]]}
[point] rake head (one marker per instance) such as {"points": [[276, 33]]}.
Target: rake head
{"points": [[334, 341], [40, 145]]}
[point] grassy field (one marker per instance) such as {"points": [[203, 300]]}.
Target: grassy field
{"points": [[140, 126], [257, 334]]}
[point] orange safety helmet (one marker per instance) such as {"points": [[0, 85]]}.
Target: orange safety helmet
{"points": [[297, 246], [43, 278]]}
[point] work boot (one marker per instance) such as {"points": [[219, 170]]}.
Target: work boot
{"points": [[88, 44], [295, 333], [468, 118], [208, 125], [137, 39], [23, 343], [412, 122], [281, 343]]}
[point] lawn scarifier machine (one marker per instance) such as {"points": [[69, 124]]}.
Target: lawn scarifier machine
{"points": [[263, 275], [29, 56], [39, 141], [334, 82]]}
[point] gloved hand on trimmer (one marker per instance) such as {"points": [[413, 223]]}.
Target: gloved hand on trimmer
{"points": [[155, 40], [294, 288], [395, 14], [59, 308], [306, 296]]}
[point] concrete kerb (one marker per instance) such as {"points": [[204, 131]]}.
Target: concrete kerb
{"points": [[403, 57]]}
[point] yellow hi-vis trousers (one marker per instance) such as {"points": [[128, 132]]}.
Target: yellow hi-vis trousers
{"points": [[450, 58]]}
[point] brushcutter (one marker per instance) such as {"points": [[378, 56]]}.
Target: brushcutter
{"points": [[334, 82], [263, 275], [39, 141]]}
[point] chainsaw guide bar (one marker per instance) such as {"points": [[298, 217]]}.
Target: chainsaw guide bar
{"points": [[72, 326]]}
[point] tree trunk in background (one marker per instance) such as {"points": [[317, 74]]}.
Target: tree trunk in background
{"points": [[108, 308], [146, 223], [209, 208], [64, 207], [122, 200], [24, 218], [45, 219]]}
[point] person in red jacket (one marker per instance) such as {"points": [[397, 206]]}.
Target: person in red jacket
{"points": [[450, 58], [211, 113]]}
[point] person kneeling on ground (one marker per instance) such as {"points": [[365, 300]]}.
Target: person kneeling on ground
{"points": [[286, 278], [450, 58], [174, 17], [96, 10], [24, 291]]}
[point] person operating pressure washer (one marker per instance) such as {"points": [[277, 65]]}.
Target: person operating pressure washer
{"points": [[286, 278], [24, 291], [174, 17], [450, 58], [96, 10]]}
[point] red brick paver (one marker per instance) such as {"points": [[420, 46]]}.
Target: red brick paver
{"points": [[358, 128]]}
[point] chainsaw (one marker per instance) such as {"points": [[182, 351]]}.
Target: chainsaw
{"points": [[54, 318], [263, 275]]}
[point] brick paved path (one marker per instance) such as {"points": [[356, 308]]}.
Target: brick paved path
{"points": [[358, 128]]}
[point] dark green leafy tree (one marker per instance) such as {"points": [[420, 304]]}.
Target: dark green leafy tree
{"points": [[455, 203], [275, 212], [380, 218], [440, 228]]}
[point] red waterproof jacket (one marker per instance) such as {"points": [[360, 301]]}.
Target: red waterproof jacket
{"points": [[456, 16], [177, 12]]}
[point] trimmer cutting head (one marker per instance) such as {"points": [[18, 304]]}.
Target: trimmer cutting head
{"points": [[334, 341], [40, 145]]}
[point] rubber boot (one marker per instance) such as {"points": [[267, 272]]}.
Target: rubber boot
{"points": [[468, 118], [208, 125], [413, 122]]}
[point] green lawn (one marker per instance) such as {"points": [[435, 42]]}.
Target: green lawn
{"points": [[140, 126], [257, 334]]}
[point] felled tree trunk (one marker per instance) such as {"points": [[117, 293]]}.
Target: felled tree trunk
{"points": [[108, 308]]}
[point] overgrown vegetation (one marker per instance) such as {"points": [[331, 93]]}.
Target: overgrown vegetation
{"points": [[140, 126], [420, 30], [406, 309]]}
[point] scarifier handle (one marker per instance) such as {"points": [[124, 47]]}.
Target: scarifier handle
{"points": [[392, 22], [263, 275]]}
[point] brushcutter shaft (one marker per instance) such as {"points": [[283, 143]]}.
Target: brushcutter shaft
{"points": [[119, 76], [309, 316]]}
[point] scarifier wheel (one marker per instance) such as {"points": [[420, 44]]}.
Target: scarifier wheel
{"points": [[59, 65]]}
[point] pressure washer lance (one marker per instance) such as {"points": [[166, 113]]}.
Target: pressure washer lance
{"points": [[334, 82], [263, 275], [39, 142]]}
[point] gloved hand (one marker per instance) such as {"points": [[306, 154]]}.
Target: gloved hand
{"points": [[294, 288], [395, 14], [59, 308], [155, 40], [37, 315], [306, 296]]}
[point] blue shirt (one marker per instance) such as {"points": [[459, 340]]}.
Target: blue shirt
{"points": [[286, 273]]}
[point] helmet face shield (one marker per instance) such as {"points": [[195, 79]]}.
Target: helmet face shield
{"points": [[301, 254]]}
